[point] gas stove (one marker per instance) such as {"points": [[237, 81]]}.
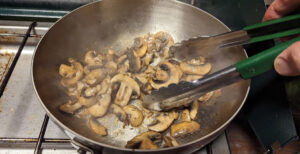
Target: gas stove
{"points": [[25, 128]]}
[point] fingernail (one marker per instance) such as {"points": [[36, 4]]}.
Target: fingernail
{"points": [[282, 67]]}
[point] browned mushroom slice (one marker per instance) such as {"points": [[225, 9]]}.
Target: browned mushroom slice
{"points": [[184, 128], [111, 55], [70, 107], [206, 97], [161, 43], [195, 66], [185, 115], [134, 115], [76, 90], [194, 110], [100, 108], [94, 77], [146, 140], [104, 86], [124, 67], [82, 113], [127, 87], [91, 58], [163, 121], [91, 91], [140, 46], [134, 61], [111, 67], [121, 59], [87, 101], [71, 74], [119, 112], [97, 127], [165, 69], [169, 141]]}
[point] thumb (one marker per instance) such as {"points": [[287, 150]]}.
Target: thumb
{"points": [[288, 62]]}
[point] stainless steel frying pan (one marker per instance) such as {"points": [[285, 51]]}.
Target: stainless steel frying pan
{"points": [[115, 23]]}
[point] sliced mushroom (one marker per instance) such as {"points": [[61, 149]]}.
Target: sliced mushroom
{"points": [[127, 87], [169, 141], [70, 107], [146, 140], [134, 115], [88, 68], [184, 128], [206, 97], [140, 46], [100, 108], [123, 68], [92, 91], [148, 59], [105, 86], [194, 110], [191, 78], [91, 58], [86, 101], [111, 55], [119, 112], [76, 90], [94, 77], [173, 75], [75, 69], [111, 67], [163, 121], [82, 113], [185, 115], [97, 127], [66, 71], [190, 68], [160, 42], [134, 61], [121, 59]]}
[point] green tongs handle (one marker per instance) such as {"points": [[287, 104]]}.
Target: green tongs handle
{"points": [[261, 62], [286, 26]]}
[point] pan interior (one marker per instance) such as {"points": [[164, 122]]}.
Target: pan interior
{"points": [[114, 24]]}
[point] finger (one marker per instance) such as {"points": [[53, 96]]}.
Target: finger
{"points": [[288, 62], [280, 8]]}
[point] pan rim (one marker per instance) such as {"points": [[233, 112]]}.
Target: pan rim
{"points": [[69, 130]]}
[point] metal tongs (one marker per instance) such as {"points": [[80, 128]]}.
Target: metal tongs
{"points": [[182, 93]]}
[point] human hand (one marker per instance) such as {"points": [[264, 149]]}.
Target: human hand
{"points": [[288, 62]]}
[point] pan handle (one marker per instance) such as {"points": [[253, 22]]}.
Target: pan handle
{"points": [[263, 61]]}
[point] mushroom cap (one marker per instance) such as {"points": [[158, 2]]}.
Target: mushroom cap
{"points": [[134, 115], [183, 128], [97, 127], [174, 75], [163, 121], [128, 81]]}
